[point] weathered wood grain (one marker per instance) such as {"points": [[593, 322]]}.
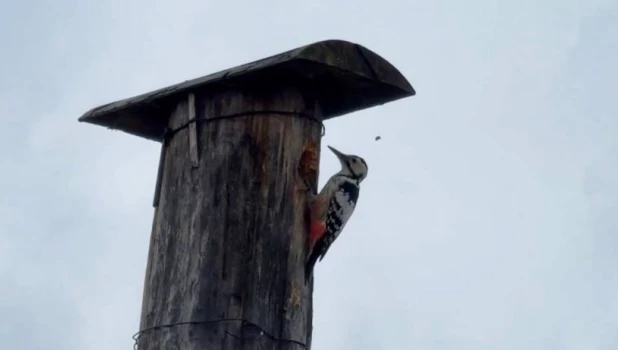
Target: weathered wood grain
{"points": [[229, 237]]}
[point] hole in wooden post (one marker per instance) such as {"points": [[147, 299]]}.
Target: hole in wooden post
{"points": [[308, 166]]}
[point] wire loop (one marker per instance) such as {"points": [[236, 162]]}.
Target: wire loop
{"points": [[168, 133], [244, 323]]}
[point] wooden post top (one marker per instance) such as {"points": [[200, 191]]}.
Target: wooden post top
{"points": [[344, 77]]}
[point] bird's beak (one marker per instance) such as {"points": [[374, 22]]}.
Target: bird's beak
{"points": [[342, 157]]}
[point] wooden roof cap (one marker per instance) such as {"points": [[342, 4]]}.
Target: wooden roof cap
{"points": [[343, 76]]}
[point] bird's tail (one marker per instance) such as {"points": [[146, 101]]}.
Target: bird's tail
{"points": [[310, 264]]}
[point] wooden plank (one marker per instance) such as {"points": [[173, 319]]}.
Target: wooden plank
{"points": [[159, 180], [193, 148]]}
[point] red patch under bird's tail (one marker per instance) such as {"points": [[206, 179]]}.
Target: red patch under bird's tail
{"points": [[317, 231]]}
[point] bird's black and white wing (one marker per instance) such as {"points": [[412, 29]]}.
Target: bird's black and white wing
{"points": [[340, 209]]}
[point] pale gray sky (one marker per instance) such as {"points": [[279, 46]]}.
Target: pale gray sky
{"points": [[489, 219]]}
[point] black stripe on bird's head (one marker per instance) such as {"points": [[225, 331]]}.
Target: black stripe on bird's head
{"points": [[351, 165]]}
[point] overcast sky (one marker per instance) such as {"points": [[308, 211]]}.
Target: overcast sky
{"points": [[489, 219]]}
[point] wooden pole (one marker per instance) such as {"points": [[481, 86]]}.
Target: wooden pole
{"points": [[229, 236], [228, 242]]}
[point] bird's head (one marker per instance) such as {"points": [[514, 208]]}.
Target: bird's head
{"points": [[351, 165]]}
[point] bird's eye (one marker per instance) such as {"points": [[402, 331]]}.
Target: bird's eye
{"points": [[353, 160]]}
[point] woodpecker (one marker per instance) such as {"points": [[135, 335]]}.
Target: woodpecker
{"points": [[332, 207]]}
